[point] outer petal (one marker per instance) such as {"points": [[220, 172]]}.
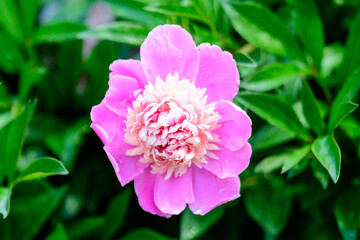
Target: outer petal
{"points": [[217, 73], [235, 127], [144, 188], [211, 191], [105, 122], [229, 164], [169, 49], [172, 195], [129, 68], [121, 94]]}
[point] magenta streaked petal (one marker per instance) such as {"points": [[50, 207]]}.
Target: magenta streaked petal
{"points": [[235, 127], [217, 73], [144, 189], [211, 191], [172, 195], [121, 94], [229, 163], [129, 68], [169, 49]]}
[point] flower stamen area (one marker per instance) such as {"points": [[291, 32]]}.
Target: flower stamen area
{"points": [[171, 126]]}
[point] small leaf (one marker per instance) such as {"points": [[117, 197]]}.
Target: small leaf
{"points": [[57, 32], [272, 76], [5, 193], [115, 214], [328, 153], [349, 90], [267, 32], [58, 234], [274, 110], [271, 163], [42, 168], [144, 233], [122, 32], [175, 10], [339, 113], [311, 109], [244, 60], [193, 226], [295, 157]]}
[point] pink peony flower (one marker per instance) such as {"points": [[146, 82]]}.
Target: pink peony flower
{"points": [[168, 123]]}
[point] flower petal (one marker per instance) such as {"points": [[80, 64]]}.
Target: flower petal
{"points": [[211, 191], [217, 73], [172, 195], [144, 189], [229, 163], [235, 127], [121, 94], [129, 68], [169, 49], [105, 122]]}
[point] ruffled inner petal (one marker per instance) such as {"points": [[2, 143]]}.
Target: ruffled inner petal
{"points": [[169, 49]]}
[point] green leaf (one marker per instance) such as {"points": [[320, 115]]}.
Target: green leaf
{"points": [[57, 32], [347, 213], [267, 137], [339, 113], [309, 28], [244, 60], [349, 90], [175, 10], [274, 110], [320, 174], [5, 193], [193, 226], [10, 58], [86, 227], [30, 76], [42, 168], [59, 233], [295, 157], [328, 153], [272, 76], [269, 206], [266, 32], [12, 137], [115, 214], [32, 203], [333, 57], [28, 11], [351, 61], [133, 10], [144, 233], [271, 163], [351, 127], [9, 19], [311, 109], [122, 32]]}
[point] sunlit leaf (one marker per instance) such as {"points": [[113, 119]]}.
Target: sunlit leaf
{"points": [[57, 32], [339, 113], [59, 233], [5, 193], [295, 157]]}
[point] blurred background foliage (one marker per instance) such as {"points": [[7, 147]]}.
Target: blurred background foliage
{"points": [[300, 78]]}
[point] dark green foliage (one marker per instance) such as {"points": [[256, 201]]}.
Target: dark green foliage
{"points": [[300, 80]]}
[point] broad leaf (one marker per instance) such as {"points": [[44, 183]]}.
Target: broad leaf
{"points": [[122, 32], [193, 226], [311, 109], [295, 157], [272, 76], [42, 168], [274, 110], [339, 113], [267, 32], [309, 28], [5, 193], [327, 151], [57, 32]]}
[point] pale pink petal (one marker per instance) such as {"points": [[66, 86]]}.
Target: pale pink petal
{"points": [[211, 191], [217, 73], [229, 163], [129, 68], [172, 195], [105, 122], [169, 49], [121, 94], [235, 127], [144, 189]]}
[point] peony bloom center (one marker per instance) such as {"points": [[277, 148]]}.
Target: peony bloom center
{"points": [[171, 126]]}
